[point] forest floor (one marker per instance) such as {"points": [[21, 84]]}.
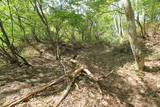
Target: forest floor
{"points": [[123, 87]]}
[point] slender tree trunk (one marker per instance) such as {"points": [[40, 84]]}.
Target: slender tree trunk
{"points": [[58, 55], [116, 23], [7, 56], [14, 58], [11, 18], [33, 31], [83, 35], [73, 39], [20, 25], [133, 37], [13, 55], [144, 22], [120, 26], [140, 25], [38, 7]]}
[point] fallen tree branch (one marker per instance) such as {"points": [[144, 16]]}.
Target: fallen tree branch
{"points": [[62, 64], [74, 74], [89, 74], [100, 78], [65, 93], [92, 77], [13, 103]]}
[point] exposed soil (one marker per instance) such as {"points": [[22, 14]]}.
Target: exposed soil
{"points": [[125, 87]]}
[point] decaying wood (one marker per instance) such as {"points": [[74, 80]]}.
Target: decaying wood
{"points": [[74, 61], [73, 75], [65, 93], [104, 76], [64, 68], [92, 77], [13, 103]]}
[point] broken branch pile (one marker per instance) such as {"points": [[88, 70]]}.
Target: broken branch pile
{"points": [[71, 75]]}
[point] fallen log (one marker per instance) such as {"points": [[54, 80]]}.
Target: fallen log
{"points": [[72, 75], [65, 93], [93, 78], [13, 103]]}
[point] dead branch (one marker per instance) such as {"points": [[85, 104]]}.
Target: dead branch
{"points": [[89, 74], [100, 78], [74, 61], [65, 93], [13, 103], [64, 68], [73, 75], [92, 77]]}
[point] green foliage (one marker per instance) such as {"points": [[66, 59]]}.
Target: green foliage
{"points": [[86, 20]]}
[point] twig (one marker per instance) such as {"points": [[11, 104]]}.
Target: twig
{"points": [[91, 76], [74, 61], [65, 93], [13, 103], [106, 75], [64, 68], [74, 74]]}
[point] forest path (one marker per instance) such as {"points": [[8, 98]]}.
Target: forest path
{"points": [[123, 87]]}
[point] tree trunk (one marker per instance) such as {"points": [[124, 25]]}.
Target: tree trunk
{"points": [[116, 23], [38, 7], [13, 55], [133, 37], [35, 37], [58, 55], [120, 26], [140, 25]]}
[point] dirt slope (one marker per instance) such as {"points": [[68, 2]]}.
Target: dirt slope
{"points": [[125, 87]]}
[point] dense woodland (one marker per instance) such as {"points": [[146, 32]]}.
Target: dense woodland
{"points": [[79, 53]]}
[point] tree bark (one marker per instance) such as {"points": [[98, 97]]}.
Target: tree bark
{"points": [[133, 37], [38, 7], [118, 25], [58, 56], [13, 55]]}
